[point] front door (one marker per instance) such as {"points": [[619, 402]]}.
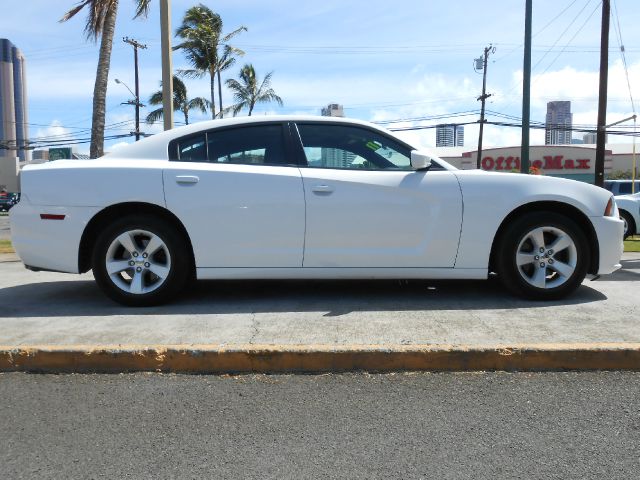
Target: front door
{"points": [[366, 207]]}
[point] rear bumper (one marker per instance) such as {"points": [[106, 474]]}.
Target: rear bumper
{"points": [[609, 231], [48, 244]]}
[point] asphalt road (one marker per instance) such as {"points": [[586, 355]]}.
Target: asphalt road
{"points": [[486, 425]]}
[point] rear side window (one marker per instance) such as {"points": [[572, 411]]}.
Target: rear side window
{"points": [[193, 149], [254, 145], [259, 145]]}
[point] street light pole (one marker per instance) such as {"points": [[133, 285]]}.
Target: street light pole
{"points": [[526, 89], [135, 102], [135, 46], [602, 95], [483, 98], [167, 76]]}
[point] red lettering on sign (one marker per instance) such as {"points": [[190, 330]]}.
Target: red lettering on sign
{"points": [[553, 163], [517, 163], [499, 162], [569, 165], [583, 163], [509, 164], [537, 163], [488, 163]]}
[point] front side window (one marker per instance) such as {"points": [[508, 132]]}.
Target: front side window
{"points": [[254, 145], [348, 147]]}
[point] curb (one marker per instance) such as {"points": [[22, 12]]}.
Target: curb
{"points": [[318, 358]]}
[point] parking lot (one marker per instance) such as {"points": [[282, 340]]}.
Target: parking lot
{"points": [[62, 311]]}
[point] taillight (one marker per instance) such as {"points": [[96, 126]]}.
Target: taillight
{"points": [[51, 216]]}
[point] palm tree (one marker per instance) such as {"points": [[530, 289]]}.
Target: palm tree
{"points": [[201, 36], [181, 102], [101, 22], [226, 60], [247, 93]]}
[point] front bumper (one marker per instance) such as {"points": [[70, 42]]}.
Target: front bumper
{"points": [[609, 231]]}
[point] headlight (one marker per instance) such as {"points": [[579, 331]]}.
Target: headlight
{"points": [[610, 210]]}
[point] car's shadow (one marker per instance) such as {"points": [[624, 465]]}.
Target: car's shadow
{"points": [[82, 298]]}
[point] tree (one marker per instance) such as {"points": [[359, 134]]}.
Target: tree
{"points": [[181, 102], [247, 93], [101, 23], [201, 36]]}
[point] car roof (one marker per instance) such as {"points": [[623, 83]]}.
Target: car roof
{"points": [[155, 147]]}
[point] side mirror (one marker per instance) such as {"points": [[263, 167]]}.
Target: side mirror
{"points": [[420, 161]]}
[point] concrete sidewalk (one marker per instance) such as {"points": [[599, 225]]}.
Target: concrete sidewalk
{"points": [[57, 322]]}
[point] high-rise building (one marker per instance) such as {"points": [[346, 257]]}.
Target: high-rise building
{"points": [[592, 138], [449, 136], [14, 133], [558, 123], [13, 98], [333, 110]]}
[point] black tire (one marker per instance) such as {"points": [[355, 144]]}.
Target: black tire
{"points": [[539, 279], [630, 224], [171, 261]]}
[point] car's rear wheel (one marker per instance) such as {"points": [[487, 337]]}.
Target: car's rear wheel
{"points": [[140, 261], [542, 256], [629, 224]]}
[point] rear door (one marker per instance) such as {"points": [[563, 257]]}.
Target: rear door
{"points": [[239, 195]]}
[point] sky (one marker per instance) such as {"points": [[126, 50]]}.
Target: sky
{"points": [[383, 61]]}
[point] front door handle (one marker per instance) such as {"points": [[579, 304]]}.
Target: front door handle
{"points": [[187, 179], [326, 189]]}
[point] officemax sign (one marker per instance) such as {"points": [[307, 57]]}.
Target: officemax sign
{"points": [[559, 160], [548, 162]]}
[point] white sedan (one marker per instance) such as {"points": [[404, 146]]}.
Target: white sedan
{"points": [[629, 208], [305, 198]]}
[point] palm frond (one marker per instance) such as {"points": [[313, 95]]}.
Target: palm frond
{"points": [[191, 73], [156, 98], [98, 10], [142, 8], [154, 116], [238, 30], [199, 103]]}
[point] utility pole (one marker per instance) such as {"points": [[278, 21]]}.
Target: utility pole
{"points": [[526, 90], [167, 75], [482, 63], [602, 96], [137, 103]]}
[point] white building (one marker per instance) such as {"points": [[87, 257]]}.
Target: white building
{"points": [[449, 136], [569, 161]]}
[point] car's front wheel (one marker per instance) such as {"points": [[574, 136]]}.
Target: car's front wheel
{"points": [[542, 256], [140, 261]]}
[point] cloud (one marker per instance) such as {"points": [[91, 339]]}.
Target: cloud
{"points": [[55, 131]]}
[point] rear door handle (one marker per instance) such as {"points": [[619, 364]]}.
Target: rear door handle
{"points": [[187, 179], [326, 189]]}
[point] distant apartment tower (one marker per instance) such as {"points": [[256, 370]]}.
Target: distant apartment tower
{"points": [[13, 101], [333, 110], [558, 123], [449, 136], [592, 138]]}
